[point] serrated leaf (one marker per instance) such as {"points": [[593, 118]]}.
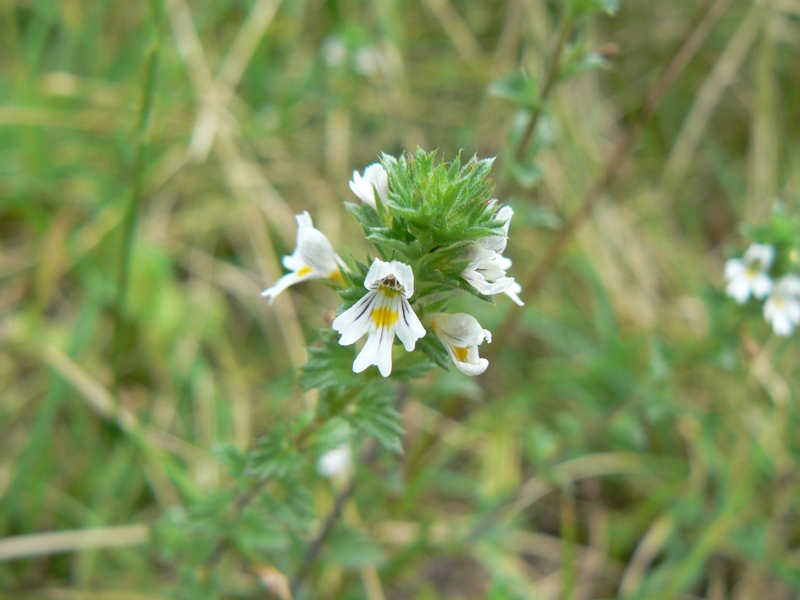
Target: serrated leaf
{"points": [[332, 434], [231, 457], [275, 455], [374, 414]]}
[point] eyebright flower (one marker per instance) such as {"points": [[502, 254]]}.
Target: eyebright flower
{"points": [[461, 335], [487, 267], [750, 275], [313, 258], [782, 308], [381, 314], [375, 178], [335, 461]]}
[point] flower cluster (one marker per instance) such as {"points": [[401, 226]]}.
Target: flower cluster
{"points": [[437, 229], [751, 275]]}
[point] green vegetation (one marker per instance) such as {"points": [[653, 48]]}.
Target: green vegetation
{"points": [[634, 434]]}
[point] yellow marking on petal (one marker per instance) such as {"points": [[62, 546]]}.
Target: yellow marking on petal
{"points": [[384, 317], [389, 292], [780, 302], [337, 276], [460, 353], [305, 270]]}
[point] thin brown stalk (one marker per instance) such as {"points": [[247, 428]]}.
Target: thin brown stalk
{"points": [[694, 39], [551, 77]]}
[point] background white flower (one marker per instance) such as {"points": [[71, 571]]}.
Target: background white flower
{"points": [[313, 258], [782, 308], [335, 461], [375, 178], [461, 335], [383, 313], [750, 275]]}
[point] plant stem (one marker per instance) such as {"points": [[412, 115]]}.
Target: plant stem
{"points": [[693, 40], [551, 76], [316, 545]]}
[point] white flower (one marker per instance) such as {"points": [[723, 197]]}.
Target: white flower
{"points": [[368, 61], [335, 461], [381, 314], [375, 178], [461, 335], [782, 308], [333, 51], [313, 258], [750, 274], [487, 267]]}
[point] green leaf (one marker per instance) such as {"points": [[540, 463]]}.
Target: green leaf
{"points": [[580, 60], [348, 548], [232, 457], [375, 415], [333, 434], [610, 7], [518, 87], [330, 365], [275, 455]]}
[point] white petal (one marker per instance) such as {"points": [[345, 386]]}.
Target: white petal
{"points": [[378, 271], [294, 261], [356, 320], [363, 189], [377, 351], [789, 285], [284, 282], [316, 251], [486, 288], [303, 220], [761, 284], [405, 277], [409, 328], [497, 243], [763, 254], [376, 175], [782, 325], [793, 310], [513, 292], [734, 268], [738, 289], [471, 369]]}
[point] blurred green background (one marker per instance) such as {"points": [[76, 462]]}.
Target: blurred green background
{"points": [[634, 436]]}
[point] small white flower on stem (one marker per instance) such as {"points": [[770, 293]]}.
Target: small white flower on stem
{"points": [[335, 461], [782, 308], [461, 335], [313, 258], [749, 275], [487, 267], [383, 313], [375, 178]]}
